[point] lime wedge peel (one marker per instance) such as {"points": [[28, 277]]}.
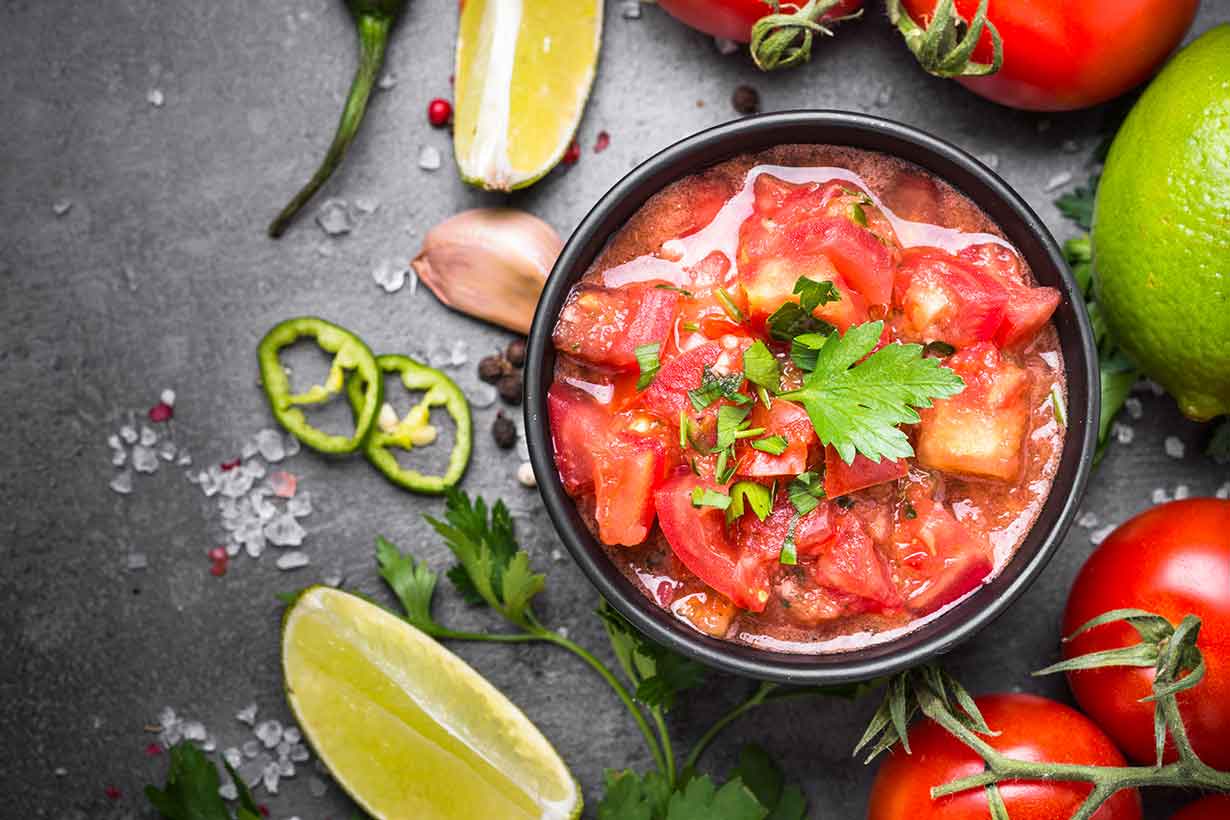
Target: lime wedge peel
{"points": [[406, 727], [524, 70]]}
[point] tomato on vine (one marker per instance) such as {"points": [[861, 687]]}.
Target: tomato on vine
{"points": [[1172, 560]]}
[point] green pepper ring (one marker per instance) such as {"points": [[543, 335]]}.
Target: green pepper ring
{"points": [[349, 353], [440, 391]]}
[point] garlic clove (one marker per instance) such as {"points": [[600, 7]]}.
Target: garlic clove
{"points": [[489, 263]]}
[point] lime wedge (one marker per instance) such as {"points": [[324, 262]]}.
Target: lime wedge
{"points": [[524, 70], [406, 727]]}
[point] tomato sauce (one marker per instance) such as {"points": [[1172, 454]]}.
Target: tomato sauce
{"points": [[651, 349]]}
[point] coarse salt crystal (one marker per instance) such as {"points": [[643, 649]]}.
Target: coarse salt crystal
{"points": [[1160, 495], [1123, 433], [269, 443], [1174, 447], [525, 474], [122, 482], [1134, 407], [1181, 492], [1087, 520], [1099, 535], [129, 434], [1058, 181], [167, 397], [148, 437], [429, 158], [292, 560], [1223, 491]]}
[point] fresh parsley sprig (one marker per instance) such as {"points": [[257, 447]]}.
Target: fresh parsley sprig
{"points": [[191, 791], [795, 318], [856, 401]]}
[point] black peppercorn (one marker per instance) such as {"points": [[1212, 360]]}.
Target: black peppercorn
{"points": [[510, 388], [503, 431], [493, 368], [746, 100], [515, 353]]}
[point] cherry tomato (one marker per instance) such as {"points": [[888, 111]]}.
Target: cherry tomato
{"points": [[733, 19], [1060, 55], [1216, 807], [1173, 560], [1031, 728]]}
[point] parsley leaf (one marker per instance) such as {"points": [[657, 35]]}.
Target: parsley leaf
{"points": [[658, 674], [191, 792], [856, 408], [773, 445], [789, 554], [412, 581], [805, 492], [630, 796], [794, 319], [686, 294], [714, 387], [705, 497], [761, 368], [728, 305], [700, 799], [648, 361], [805, 348], [1077, 204], [761, 774], [757, 497], [731, 421], [489, 559]]}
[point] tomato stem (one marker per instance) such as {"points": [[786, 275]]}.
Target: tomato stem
{"points": [[782, 40], [945, 46]]}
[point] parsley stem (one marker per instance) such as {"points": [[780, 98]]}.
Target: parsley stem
{"points": [[667, 752], [441, 632], [757, 698], [621, 692]]}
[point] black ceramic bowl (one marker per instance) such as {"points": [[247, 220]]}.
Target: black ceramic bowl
{"points": [[1023, 229]]}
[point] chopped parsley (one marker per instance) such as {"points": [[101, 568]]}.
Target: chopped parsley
{"points": [[805, 492], [756, 496], [793, 319], [705, 497], [790, 551], [773, 445], [1077, 204], [855, 404], [731, 421], [686, 294], [714, 387], [647, 358], [761, 368], [804, 349], [857, 215], [728, 305]]}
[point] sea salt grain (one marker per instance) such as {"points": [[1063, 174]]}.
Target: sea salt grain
{"points": [[630, 9], [317, 787], [167, 397], [118, 457], [301, 505], [1181, 492], [122, 482], [269, 732], [1058, 181], [725, 47], [1099, 535], [1223, 491], [1160, 495], [251, 748], [291, 446], [429, 158], [389, 276], [459, 353], [61, 206], [1134, 407], [269, 443], [129, 434], [144, 460], [1174, 447], [334, 218], [484, 395], [156, 98], [525, 475], [233, 757], [1087, 520], [293, 560], [166, 450], [292, 735], [137, 561], [285, 531], [270, 777], [1123, 433], [148, 437], [228, 791]]}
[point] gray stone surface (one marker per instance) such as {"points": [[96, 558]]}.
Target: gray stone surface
{"points": [[159, 275]]}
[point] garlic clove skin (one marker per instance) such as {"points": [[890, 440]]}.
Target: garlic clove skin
{"points": [[489, 263]]}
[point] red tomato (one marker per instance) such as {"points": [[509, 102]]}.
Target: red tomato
{"points": [[979, 432], [733, 19], [786, 419], [606, 325], [850, 563], [669, 392], [634, 460], [841, 478], [940, 560], [1030, 728], [578, 423], [1028, 308], [770, 284], [697, 536], [1060, 55], [1216, 807], [1173, 560], [857, 254], [944, 299]]}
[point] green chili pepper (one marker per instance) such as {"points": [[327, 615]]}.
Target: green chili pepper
{"points": [[374, 19], [416, 430], [349, 354]]}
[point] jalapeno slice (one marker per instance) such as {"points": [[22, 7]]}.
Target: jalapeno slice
{"points": [[415, 429], [350, 355]]}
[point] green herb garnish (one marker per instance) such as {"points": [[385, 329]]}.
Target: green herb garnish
{"points": [[804, 348], [805, 492], [714, 387], [686, 294], [855, 404], [648, 361], [773, 445], [731, 420], [790, 551], [793, 319], [728, 305], [191, 792], [756, 496], [705, 497], [761, 368], [1077, 204]]}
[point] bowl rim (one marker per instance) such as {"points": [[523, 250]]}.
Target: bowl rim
{"points": [[749, 135]]}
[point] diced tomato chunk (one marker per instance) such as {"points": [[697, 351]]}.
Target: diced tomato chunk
{"points": [[708, 611], [943, 298], [668, 394], [850, 563], [785, 419], [841, 478], [578, 427], [770, 284], [941, 561], [814, 530], [698, 538], [980, 432], [857, 254], [606, 325], [634, 461], [1028, 308], [764, 539]]}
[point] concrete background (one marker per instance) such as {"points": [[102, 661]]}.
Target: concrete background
{"points": [[159, 275]]}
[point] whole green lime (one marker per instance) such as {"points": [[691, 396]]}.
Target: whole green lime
{"points": [[1161, 232]]}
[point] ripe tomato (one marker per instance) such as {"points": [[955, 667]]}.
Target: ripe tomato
{"points": [[1060, 55], [785, 419], [1031, 728], [578, 423], [604, 326], [1216, 807], [1173, 560], [841, 478], [733, 19]]}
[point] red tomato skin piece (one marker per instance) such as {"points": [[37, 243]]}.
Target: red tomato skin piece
{"points": [[1060, 55], [784, 418], [733, 19], [578, 424], [1215, 807], [860, 258], [944, 298], [1173, 560], [1031, 728], [850, 563], [604, 326], [626, 471], [841, 478], [697, 536]]}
